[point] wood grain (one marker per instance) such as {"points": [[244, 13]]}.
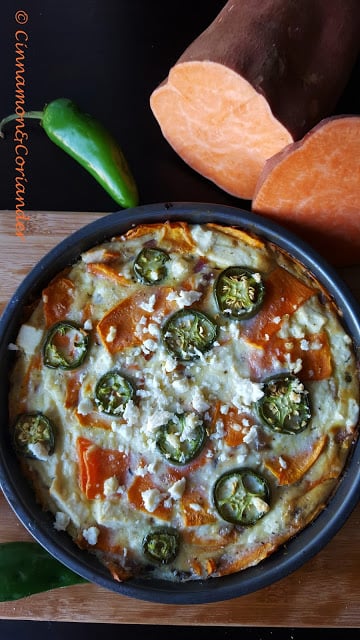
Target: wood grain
{"points": [[325, 592]]}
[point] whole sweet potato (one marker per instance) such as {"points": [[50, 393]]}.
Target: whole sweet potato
{"points": [[258, 78]]}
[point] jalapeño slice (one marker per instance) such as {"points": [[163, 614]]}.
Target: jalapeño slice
{"points": [[112, 393], [242, 496], [239, 292], [65, 346], [285, 405], [149, 266], [188, 333], [181, 439], [34, 436], [161, 545]]}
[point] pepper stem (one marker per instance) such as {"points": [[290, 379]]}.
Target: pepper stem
{"points": [[27, 114]]}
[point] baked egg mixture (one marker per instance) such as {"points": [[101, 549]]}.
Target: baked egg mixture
{"points": [[184, 399]]}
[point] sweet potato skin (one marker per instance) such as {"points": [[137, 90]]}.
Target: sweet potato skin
{"points": [[298, 55], [312, 187]]}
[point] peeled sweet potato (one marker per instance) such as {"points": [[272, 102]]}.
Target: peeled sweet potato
{"points": [[313, 188], [259, 77]]}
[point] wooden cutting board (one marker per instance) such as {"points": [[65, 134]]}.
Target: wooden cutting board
{"points": [[325, 592]]}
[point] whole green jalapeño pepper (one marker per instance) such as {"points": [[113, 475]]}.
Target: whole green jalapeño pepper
{"points": [[90, 144], [26, 568]]}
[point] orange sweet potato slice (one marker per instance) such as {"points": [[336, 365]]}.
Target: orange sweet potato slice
{"points": [[284, 294], [82, 445], [34, 365], [290, 468], [135, 491], [97, 465], [124, 318], [247, 557], [72, 389], [107, 271], [94, 419], [236, 424], [172, 235], [57, 299], [313, 188], [316, 358], [195, 509], [237, 234]]}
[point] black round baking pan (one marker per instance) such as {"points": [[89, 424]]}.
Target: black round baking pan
{"points": [[19, 493]]}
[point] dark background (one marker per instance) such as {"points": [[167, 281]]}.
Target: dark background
{"points": [[108, 56], [10, 630]]}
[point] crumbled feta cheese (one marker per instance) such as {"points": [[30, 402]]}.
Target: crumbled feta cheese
{"points": [[131, 413], [111, 334], [149, 306], [247, 392], [316, 345], [178, 267], [62, 521], [282, 463], [296, 366], [141, 471], [38, 450], [153, 466], [198, 401], [177, 489], [260, 505], [241, 454], [180, 385], [85, 406], [151, 499], [156, 419], [252, 437], [111, 485], [154, 330], [191, 423], [170, 364], [91, 535], [219, 432], [195, 507], [88, 325], [148, 346], [203, 239], [184, 298]]}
